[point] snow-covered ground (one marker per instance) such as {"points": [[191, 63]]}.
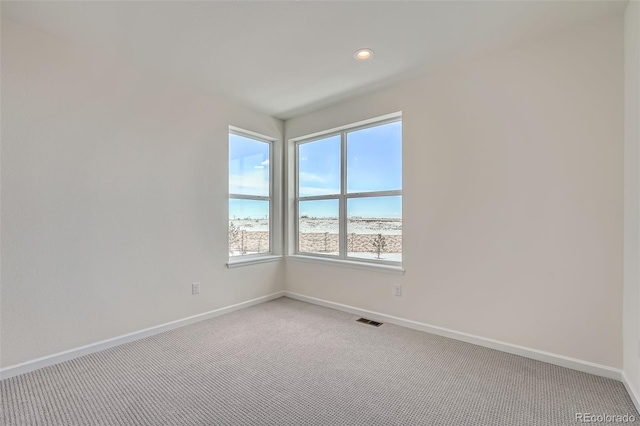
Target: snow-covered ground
{"points": [[251, 224]]}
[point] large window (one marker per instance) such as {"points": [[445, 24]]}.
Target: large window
{"points": [[250, 192], [349, 194]]}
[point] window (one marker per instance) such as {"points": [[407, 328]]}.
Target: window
{"points": [[250, 195], [349, 194]]}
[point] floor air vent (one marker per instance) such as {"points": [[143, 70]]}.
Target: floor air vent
{"points": [[369, 322]]}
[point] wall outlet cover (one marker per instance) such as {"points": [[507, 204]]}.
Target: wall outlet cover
{"points": [[397, 290]]}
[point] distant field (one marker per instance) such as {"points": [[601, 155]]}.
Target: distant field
{"points": [[321, 225]]}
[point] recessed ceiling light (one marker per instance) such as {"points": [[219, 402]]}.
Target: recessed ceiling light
{"points": [[363, 54]]}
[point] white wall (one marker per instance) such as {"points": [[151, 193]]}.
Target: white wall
{"points": [[112, 181], [513, 197], [114, 189], [632, 195]]}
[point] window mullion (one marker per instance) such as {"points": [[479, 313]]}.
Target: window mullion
{"points": [[342, 221], [319, 197], [271, 205], [249, 197], [391, 193], [296, 197]]}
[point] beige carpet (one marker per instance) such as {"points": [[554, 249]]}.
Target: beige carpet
{"points": [[291, 363]]}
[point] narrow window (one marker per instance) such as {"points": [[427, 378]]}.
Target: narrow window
{"points": [[250, 192], [349, 194]]}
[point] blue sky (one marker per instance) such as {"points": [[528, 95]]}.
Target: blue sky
{"points": [[241, 209], [377, 207], [374, 163], [248, 166]]}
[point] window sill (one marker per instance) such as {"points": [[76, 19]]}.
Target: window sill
{"points": [[387, 269], [240, 261]]}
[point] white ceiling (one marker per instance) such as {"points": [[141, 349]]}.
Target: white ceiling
{"points": [[288, 58]]}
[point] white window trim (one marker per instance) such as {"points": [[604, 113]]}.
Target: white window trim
{"points": [[275, 228], [357, 264], [342, 258], [248, 260]]}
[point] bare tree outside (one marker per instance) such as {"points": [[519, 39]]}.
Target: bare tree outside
{"points": [[379, 245], [233, 237]]}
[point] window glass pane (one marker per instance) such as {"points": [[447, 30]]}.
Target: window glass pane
{"points": [[248, 227], [374, 158], [374, 228], [318, 227], [248, 166], [319, 167]]}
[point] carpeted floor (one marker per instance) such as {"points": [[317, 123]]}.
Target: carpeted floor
{"points": [[287, 362]]}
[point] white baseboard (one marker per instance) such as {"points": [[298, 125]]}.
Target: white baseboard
{"points": [[633, 393], [25, 367], [560, 360], [551, 358]]}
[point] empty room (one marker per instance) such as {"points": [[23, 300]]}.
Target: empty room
{"points": [[320, 213]]}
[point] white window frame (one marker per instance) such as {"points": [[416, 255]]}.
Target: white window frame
{"points": [[343, 197], [274, 251]]}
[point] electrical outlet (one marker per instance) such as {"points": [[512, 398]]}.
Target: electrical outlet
{"points": [[397, 290], [195, 288]]}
